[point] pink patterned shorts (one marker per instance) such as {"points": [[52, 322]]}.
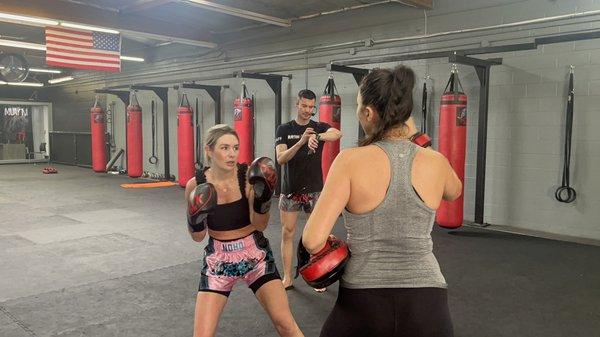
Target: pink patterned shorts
{"points": [[249, 259]]}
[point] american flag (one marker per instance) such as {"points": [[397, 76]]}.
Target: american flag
{"points": [[83, 49]]}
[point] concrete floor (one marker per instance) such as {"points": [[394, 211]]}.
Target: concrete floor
{"points": [[80, 256]]}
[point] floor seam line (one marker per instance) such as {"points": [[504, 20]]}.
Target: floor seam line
{"points": [[21, 324]]}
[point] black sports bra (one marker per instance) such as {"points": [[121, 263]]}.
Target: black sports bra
{"points": [[233, 215]]}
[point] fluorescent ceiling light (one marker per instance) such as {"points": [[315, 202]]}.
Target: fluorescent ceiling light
{"points": [[163, 43], [24, 45], [86, 27], [131, 58], [60, 80], [41, 22], [20, 68], [23, 84], [48, 71], [39, 70], [20, 18]]}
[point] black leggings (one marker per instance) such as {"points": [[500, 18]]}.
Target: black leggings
{"points": [[397, 312]]}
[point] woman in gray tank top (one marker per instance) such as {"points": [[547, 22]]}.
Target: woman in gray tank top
{"points": [[388, 190]]}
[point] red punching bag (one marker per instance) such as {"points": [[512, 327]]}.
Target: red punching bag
{"points": [[243, 116], [98, 127], [134, 138], [185, 141], [330, 112], [453, 136]]}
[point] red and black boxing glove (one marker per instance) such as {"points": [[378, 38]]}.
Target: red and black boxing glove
{"points": [[262, 175], [201, 202]]}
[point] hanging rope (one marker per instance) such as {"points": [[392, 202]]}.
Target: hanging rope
{"points": [[153, 159], [565, 193], [424, 107]]}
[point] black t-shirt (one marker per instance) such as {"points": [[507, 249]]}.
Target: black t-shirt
{"points": [[302, 174]]}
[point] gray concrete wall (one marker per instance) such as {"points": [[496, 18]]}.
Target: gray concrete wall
{"points": [[71, 106], [527, 96], [22, 93]]}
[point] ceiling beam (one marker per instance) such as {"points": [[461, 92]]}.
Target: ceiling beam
{"points": [[128, 24], [424, 4], [142, 5], [242, 13]]}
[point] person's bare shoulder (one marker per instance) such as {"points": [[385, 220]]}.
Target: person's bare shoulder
{"points": [[433, 155], [355, 153]]}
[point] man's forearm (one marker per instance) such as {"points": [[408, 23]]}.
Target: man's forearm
{"points": [[330, 136], [288, 154]]}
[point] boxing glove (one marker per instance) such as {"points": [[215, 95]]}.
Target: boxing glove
{"points": [[262, 175], [201, 202]]}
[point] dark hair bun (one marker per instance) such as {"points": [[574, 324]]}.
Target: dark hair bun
{"points": [[389, 92]]}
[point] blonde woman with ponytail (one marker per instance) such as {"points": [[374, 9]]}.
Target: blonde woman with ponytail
{"points": [[230, 202]]}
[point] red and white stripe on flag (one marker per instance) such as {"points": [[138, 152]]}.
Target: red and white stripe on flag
{"points": [[83, 49]]}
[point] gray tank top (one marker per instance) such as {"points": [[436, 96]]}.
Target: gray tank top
{"points": [[391, 245]]}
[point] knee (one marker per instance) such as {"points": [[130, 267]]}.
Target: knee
{"points": [[286, 326], [288, 231]]}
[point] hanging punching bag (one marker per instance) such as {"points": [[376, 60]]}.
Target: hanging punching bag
{"points": [[185, 141], [243, 116], [452, 144], [330, 112], [134, 138], [98, 127]]}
